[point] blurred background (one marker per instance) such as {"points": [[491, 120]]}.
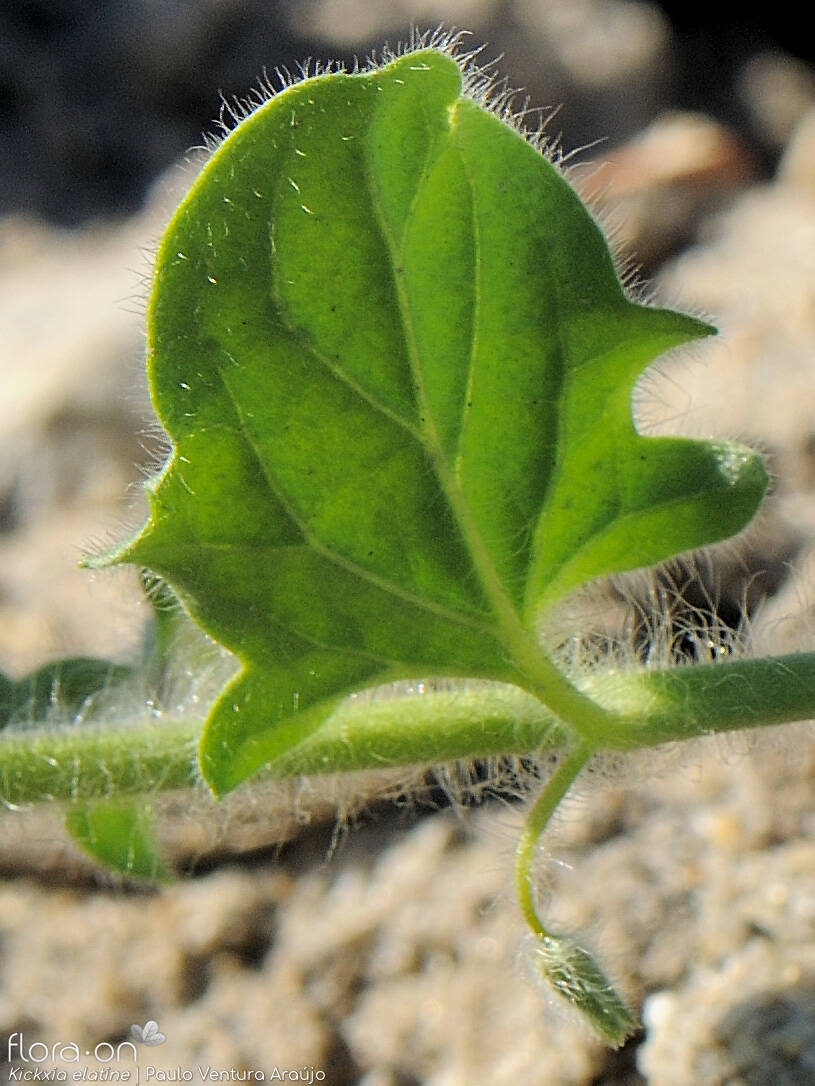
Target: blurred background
{"points": [[694, 140], [96, 100]]}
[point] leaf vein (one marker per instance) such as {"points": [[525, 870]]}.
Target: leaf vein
{"points": [[341, 560], [337, 370], [483, 565]]}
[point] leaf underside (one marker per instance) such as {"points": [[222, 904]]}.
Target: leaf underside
{"points": [[118, 834], [396, 363], [66, 689]]}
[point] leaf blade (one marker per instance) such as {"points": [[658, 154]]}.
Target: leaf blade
{"points": [[390, 335], [120, 835]]}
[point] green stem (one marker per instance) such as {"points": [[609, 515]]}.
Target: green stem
{"points": [[539, 675], [536, 822], [561, 961], [685, 702], [90, 761], [465, 721], [471, 721]]}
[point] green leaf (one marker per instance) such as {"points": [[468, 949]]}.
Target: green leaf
{"points": [[174, 645], [119, 834], [396, 363], [70, 687]]}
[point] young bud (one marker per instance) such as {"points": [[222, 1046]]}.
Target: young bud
{"points": [[574, 974]]}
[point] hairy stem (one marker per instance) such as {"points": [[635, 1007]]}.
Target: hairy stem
{"points": [[401, 728], [560, 960], [536, 822]]}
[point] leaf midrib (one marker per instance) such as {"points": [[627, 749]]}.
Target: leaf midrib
{"points": [[311, 542], [508, 619]]}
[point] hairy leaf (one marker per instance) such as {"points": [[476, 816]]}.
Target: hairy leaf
{"points": [[67, 687], [396, 362], [119, 834]]}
